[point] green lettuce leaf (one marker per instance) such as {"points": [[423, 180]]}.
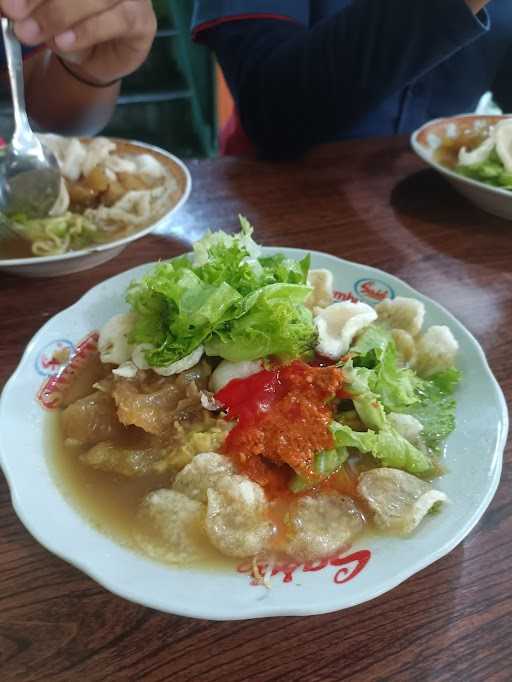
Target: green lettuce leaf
{"points": [[325, 464], [387, 445], [329, 461], [275, 324], [374, 369], [395, 386], [435, 408], [370, 346], [378, 385], [240, 306], [447, 381], [370, 411]]}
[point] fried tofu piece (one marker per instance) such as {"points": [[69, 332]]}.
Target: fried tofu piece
{"points": [[436, 351], [402, 313], [322, 295], [405, 345], [125, 460], [91, 419], [155, 403]]}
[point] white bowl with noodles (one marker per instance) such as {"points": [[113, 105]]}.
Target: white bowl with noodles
{"points": [[356, 574], [89, 257], [426, 141]]}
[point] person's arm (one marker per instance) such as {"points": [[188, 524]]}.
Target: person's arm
{"points": [[296, 87], [72, 86], [59, 102], [502, 89]]}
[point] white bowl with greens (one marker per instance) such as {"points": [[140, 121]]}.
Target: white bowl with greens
{"points": [[112, 192], [474, 153], [396, 418]]}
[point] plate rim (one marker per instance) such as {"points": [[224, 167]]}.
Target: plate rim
{"points": [[258, 609]]}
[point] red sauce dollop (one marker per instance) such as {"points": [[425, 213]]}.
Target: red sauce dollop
{"points": [[283, 418]]}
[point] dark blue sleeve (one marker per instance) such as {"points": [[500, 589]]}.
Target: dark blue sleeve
{"points": [[502, 88], [295, 87]]}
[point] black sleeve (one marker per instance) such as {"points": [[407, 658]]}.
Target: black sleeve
{"points": [[502, 88], [295, 87]]}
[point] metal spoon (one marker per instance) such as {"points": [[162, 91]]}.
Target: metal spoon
{"points": [[30, 177]]}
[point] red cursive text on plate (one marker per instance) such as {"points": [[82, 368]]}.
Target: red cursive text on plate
{"points": [[349, 566]]}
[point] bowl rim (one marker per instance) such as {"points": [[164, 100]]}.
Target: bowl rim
{"points": [[94, 570], [39, 260], [420, 150]]}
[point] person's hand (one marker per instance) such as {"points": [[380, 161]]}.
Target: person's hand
{"points": [[100, 40]]}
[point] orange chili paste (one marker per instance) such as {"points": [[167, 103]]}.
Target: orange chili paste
{"points": [[283, 418]]}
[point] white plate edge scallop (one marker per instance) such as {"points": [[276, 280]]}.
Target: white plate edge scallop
{"points": [[259, 607]]}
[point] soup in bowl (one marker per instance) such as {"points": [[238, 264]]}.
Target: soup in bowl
{"points": [[112, 192]]}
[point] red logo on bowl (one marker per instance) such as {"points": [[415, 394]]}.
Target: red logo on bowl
{"points": [[345, 296], [373, 290], [348, 567], [62, 365]]}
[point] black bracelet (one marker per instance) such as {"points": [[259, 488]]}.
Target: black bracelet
{"points": [[84, 80]]}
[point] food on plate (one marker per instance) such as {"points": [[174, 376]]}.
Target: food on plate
{"points": [[479, 151], [239, 409], [109, 189]]}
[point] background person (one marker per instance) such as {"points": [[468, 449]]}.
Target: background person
{"points": [[304, 72]]}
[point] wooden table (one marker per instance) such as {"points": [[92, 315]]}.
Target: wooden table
{"points": [[371, 202]]}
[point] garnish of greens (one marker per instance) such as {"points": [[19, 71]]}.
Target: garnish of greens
{"points": [[240, 305], [491, 161], [378, 387], [229, 298]]}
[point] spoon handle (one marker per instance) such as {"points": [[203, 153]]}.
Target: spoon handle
{"points": [[22, 132]]}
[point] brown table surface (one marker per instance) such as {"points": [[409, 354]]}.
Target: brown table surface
{"points": [[371, 202]]}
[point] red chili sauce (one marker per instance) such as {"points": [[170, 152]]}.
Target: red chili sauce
{"points": [[282, 420]]}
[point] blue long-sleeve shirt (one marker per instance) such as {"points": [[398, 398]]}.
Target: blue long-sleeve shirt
{"points": [[303, 72]]}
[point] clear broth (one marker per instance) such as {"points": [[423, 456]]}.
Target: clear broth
{"points": [[15, 247], [109, 502]]}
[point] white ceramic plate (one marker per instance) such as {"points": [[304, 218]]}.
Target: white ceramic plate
{"points": [[84, 259], [369, 568], [426, 140]]}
